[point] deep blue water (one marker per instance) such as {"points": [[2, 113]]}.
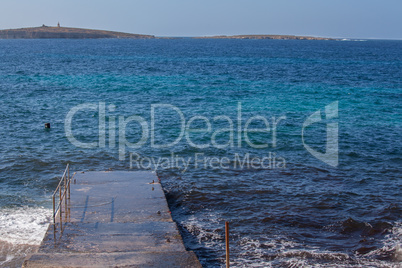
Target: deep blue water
{"points": [[298, 212]]}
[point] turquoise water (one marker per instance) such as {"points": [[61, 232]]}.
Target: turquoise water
{"points": [[298, 211]]}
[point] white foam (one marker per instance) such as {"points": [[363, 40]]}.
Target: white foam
{"points": [[280, 251], [25, 225], [211, 237], [395, 239], [391, 243]]}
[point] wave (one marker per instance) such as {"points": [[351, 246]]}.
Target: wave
{"points": [[392, 245], [24, 225], [283, 251], [353, 40], [21, 232]]}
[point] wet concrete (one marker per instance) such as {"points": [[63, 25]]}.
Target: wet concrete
{"points": [[114, 219]]}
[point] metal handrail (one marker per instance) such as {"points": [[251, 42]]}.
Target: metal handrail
{"points": [[63, 191]]}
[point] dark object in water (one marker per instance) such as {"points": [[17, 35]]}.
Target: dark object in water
{"points": [[47, 125]]}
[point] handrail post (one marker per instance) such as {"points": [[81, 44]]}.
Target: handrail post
{"points": [[54, 209], [61, 221], [60, 198], [227, 243], [68, 179], [65, 178], [65, 197], [60, 207]]}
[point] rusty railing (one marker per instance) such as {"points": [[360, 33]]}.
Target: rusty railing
{"points": [[62, 194]]}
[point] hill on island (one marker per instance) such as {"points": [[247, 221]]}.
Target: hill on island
{"points": [[46, 32]]}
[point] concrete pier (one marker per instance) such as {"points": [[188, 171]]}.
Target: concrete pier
{"points": [[114, 219]]}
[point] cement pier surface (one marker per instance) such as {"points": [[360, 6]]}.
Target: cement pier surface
{"points": [[114, 219]]}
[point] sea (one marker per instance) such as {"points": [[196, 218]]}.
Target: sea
{"points": [[295, 143]]}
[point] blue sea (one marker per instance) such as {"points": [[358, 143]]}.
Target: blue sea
{"points": [[297, 144]]}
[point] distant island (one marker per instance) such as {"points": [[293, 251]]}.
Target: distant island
{"points": [[49, 32], [265, 36]]}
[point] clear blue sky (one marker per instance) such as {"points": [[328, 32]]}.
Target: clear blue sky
{"points": [[329, 18]]}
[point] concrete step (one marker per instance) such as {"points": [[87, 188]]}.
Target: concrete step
{"points": [[113, 237], [126, 259]]}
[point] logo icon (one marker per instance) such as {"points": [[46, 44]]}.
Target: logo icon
{"points": [[331, 154]]}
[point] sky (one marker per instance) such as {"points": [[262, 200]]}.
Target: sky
{"points": [[326, 18]]}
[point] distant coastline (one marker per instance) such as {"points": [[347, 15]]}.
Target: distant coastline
{"points": [[265, 36], [50, 32]]}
